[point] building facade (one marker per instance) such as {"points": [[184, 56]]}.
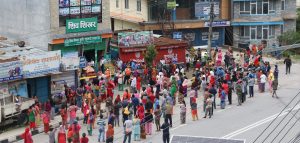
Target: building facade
{"points": [[77, 29], [127, 14], [257, 20], [189, 20]]}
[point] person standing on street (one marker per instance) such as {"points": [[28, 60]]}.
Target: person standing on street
{"points": [[101, 123], [288, 64], [169, 111], [239, 91], [251, 83], [128, 130], [166, 132], [263, 80], [275, 86]]}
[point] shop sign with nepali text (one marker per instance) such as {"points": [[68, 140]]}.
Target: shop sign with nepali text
{"points": [[81, 25], [83, 40], [10, 71]]}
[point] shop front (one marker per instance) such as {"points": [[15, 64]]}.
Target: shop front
{"points": [[37, 68], [172, 51], [84, 42]]}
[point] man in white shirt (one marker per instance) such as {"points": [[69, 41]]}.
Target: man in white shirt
{"points": [[187, 60], [263, 80], [133, 85], [128, 130]]}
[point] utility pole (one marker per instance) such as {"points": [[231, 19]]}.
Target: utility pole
{"points": [[211, 20]]}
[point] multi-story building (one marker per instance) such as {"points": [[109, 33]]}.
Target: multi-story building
{"points": [[188, 20], [127, 14], [258, 20], [75, 27]]}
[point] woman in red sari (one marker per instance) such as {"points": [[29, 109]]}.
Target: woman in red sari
{"points": [[138, 83], [27, 136], [61, 137]]}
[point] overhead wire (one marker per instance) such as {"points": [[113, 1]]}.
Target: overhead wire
{"points": [[289, 131], [276, 117]]}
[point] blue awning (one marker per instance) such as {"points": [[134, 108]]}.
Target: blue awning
{"points": [[256, 23]]}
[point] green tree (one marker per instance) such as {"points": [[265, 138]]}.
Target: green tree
{"points": [[289, 38], [150, 55]]}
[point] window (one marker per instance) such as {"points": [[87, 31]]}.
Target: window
{"points": [[257, 32], [265, 32], [257, 7], [253, 32], [282, 4], [245, 7], [127, 4], [253, 7], [265, 7], [117, 3], [69, 9], [272, 6], [138, 5]]}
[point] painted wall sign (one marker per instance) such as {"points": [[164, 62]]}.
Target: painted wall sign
{"points": [[10, 71], [82, 40], [217, 24], [70, 61], [81, 25], [41, 64], [82, 62], [18, 88]]}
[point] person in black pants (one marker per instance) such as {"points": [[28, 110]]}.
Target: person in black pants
{"points": [[230, 92], [288, 64], [166, 132]]}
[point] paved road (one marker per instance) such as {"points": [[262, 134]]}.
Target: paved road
{"points": [[244, 122]]}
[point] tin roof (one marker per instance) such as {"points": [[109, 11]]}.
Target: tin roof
{"points": [[13, 53]]}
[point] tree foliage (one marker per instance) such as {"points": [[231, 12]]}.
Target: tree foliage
{"points": [[289, 38], [150, 55]]}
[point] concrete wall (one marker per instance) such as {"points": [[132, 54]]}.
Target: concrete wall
{"points": [[132, 11], [27, 20], [120, 25], [55, 29]]}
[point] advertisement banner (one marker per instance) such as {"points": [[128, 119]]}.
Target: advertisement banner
{"points": [[128, 39], [41, 64], [202, 9], [10, 71], [177, 35], [82, 40], [18, 88], [3, 90], [81, 25], [217, 24], [70, 61]]}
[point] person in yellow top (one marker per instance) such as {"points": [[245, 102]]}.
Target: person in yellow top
{"points": [[270, 80]]}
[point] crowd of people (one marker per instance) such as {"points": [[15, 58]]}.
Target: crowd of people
{"points": [[150, 94]]}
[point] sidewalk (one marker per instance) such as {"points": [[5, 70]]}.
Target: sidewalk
{"points": [[14, 135]]}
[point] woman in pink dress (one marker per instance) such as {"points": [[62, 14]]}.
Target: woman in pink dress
{"points": [[219, 61]]}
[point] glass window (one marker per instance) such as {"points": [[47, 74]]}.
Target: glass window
{"points": [[247, 6], [272, 30], [127, 4], [265, 33], [259, 7], [265, 8], [117, 3], [259, 32], [69, 9], [253, 8], [282, 4], [242, 6], [272, 6], [242, 31], [281, 29], [138, 5], [247, 31], [253, 32]]}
